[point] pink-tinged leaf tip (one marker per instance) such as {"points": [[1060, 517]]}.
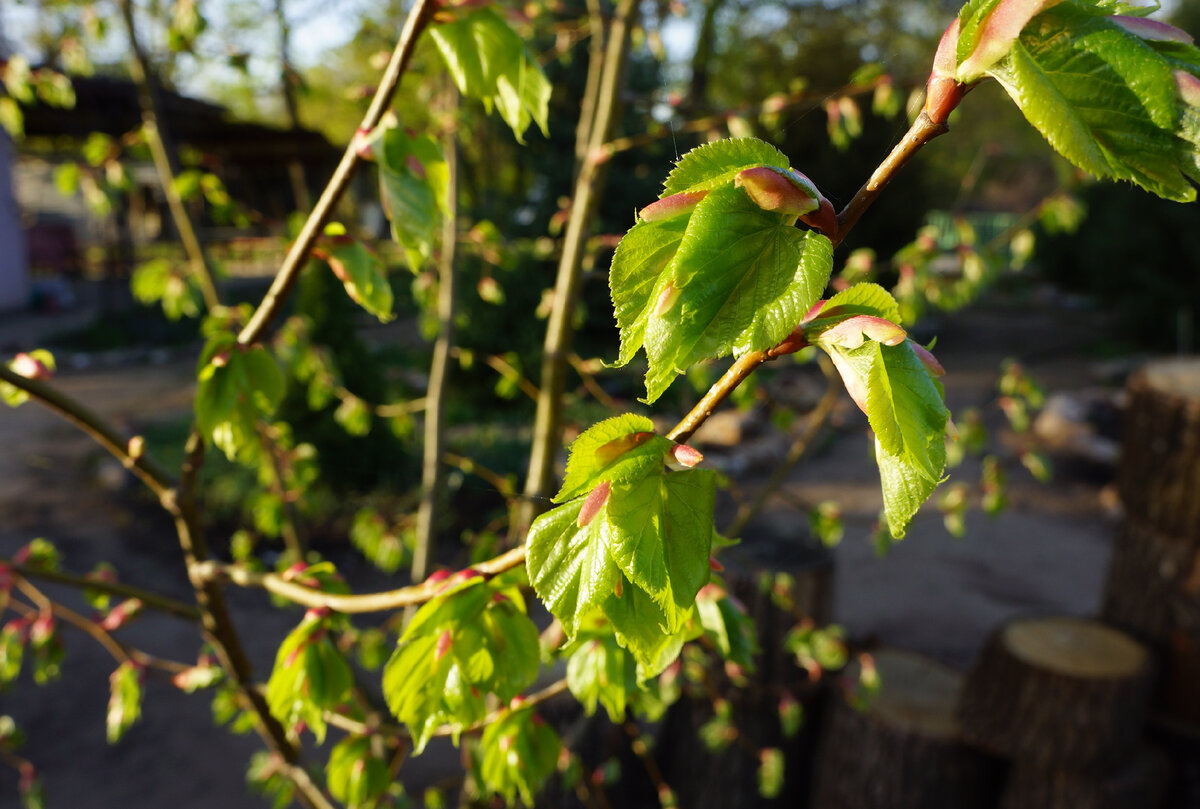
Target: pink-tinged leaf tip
{"points": [[714, 565], [596, 500], [943, 92], [1152, 30], [823, 219], [444, 641], [672, 206], [1189, 88], [684, 457], [928, 360], [856, 386], [853, 331], [666, 299], [997, 35], [609, 452], [363, 146], [781, 191], [30, 367]]}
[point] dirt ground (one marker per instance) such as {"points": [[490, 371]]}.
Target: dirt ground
{"points": [[932, 593]]}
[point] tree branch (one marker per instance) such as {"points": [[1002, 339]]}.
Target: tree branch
{"points": [[124, 450], [298, 254], [212, 571], [547, 428], [152, 600]]}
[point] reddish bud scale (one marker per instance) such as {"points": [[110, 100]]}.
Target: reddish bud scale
{"points": [[29, 367], [783, 191], [1189, 88], [927, 359], [437, 576], [293, 571], [685, 457], [516, 702], [609, 452], [672, 206], [1152, 30], [415, 166], [362, 144], [121, 614], [444, 641], [536, 719], [666, 299], [595, 502], [317, 613], [619, 588], [714, 565], [42, 629], [824, 219]]}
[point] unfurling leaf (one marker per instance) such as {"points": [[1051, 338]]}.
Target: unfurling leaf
{"points": [[239, 385], [355, 775], [516, 756], [1057, 58], [125, 700], [489, 61], [360, 270], [310, 676], [470, 641], [893, 381]]}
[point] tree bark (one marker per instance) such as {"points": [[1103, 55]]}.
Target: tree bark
{"points": [[1058, 692], [905, 751], [1138, 784], [1159, 474]]}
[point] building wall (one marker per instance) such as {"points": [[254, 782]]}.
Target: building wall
{"points": [[14, 272]]}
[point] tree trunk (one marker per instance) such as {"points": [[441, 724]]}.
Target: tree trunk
{"points": [[1153, 588], [905, 750], [1159, 474], [1139, 784], [1059, 693]]}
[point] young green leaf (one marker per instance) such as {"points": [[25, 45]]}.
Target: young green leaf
{"points": [[125, 700], [640, 259], [355, 775], [600, 672], [414, 184], [716, 164], [622, 449], [639, 625], [661, 538], [237, 387], [469, 641], [517, 754], [1069, 56], [489, 61], [570, 567], [728, 625], [744, 278], [310, 676], [361, 272]]}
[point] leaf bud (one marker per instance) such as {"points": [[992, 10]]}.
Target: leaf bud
{"points": [[444, 642], [317, 613], [1152, 30], [672, 206], [784, 191], [714, 565], [619, 588], [943, 93], [854, 330], [997, 34], [928, 360], [1189, 88], [610, 451], [666, 299], [30, 367], [437, 576], [596, 500], [121, 614], [684, 457]]}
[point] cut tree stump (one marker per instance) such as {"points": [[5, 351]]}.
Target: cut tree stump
{"points": [[1139, 784], [1063, 693], [904, 751], [1159, 476]]}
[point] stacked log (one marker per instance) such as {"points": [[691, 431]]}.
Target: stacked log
{"points": [[904, 750], [1153, 587], [1065, 700]]}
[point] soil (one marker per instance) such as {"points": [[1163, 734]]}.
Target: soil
{"points": [[931, 593]]}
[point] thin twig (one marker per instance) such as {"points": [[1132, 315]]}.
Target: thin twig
{"points": [[642, 751], [589, 382], [920, 133], [149, 599], [547, 428], [212, 571], [99, 430], [471, 467], [506, 369], [433, 476], [298, 254]]}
